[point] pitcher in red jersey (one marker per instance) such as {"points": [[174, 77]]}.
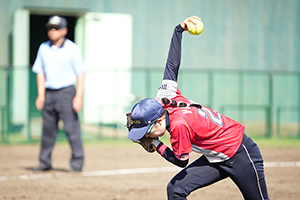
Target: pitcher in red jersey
{"points": [[226, 150]]}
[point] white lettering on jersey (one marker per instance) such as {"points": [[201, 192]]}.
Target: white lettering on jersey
{"points": [[214, 117]]}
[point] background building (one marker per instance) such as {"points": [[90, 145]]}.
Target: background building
{"points": [[244, 64]]}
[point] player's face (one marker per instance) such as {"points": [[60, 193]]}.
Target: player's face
{"points": [[158, 129]]}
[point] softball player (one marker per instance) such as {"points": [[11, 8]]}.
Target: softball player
{"points": [[226, 150]]}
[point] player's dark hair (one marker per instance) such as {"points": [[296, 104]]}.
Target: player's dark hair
{"points": [[164, 113], [174, 103]]}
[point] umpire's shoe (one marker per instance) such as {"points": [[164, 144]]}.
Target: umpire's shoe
{"points": [[75, 170], [39, 169]]}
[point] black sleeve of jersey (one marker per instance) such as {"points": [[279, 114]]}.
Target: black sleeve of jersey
{"points": [[170, 156], [174, 56]]}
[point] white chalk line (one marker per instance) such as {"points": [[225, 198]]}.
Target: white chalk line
{"points": [[129, 171]]}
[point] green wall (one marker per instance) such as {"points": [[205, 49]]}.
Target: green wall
{"points": [[238, 34]]}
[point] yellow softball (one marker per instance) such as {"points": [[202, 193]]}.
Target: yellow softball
{"points": [[196, 28]]}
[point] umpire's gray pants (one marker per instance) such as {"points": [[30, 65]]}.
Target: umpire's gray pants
{"points": [[58, 105]]}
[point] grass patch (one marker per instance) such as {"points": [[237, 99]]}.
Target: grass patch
{"points": [[273, 142], [261, 141], [276, 142]]}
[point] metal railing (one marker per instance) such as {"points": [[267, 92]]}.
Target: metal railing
{"points": [[292, 125], [239, 94]]}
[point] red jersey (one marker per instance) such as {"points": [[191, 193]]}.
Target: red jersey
{"points": [[201, 130]]}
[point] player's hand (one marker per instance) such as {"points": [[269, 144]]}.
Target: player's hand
{"points": [[77, 103], [39, 102], [185, 23]]}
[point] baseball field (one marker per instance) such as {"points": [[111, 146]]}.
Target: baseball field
{"points": [[122, 170]]}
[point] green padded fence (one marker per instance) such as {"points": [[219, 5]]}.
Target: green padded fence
{"points": [[266, 102], [284, 125]]}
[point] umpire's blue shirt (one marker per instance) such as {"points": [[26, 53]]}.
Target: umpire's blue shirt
{"points": [[61, 65]]}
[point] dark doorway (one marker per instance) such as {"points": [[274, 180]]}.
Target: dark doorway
{"points": [[38, 35]]}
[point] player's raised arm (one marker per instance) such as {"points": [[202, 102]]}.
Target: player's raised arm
{"points": [[174, 56]]}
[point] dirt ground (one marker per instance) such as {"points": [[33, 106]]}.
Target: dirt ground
{"points": [[101, 177]]}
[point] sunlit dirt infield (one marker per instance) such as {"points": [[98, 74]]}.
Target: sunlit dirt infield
{"points": [[127, 172]]}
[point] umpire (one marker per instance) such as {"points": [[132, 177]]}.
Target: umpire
{"points": [[59, 65]]}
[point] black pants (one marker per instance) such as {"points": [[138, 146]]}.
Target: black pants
{"points": [[58, 105], [245, 169]]}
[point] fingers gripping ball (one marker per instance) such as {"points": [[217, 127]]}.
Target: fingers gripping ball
{"points": [[196, 27]]}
